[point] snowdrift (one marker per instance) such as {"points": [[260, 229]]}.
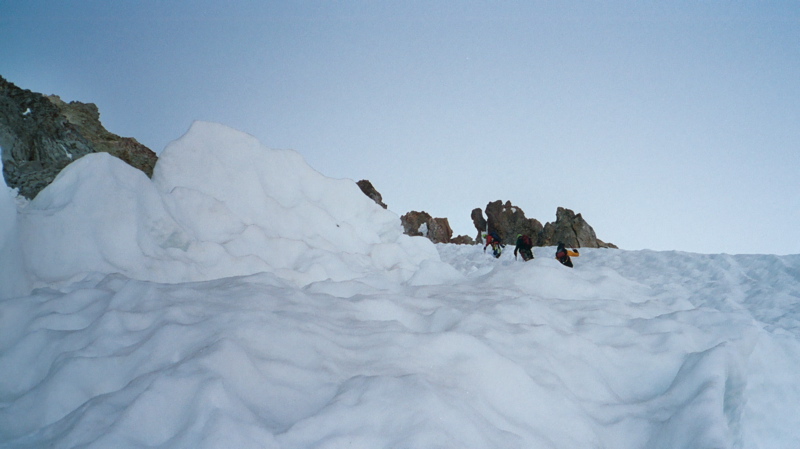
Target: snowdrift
{"points": [[241, 299], [220, 204]]}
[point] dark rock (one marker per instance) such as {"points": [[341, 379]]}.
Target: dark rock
{"points": [[413, 223], [508, 221], [602, 244], [86, 118], [479, 222], [370, 191], [436, 230], [41, 135], [572, 230], [439, 230], [462, 240]]}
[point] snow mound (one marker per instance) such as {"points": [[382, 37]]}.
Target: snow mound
{"points": [[220, 204], [503, 358]]}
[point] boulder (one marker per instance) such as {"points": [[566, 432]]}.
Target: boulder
{"points": [[41, 135], [422, 224], [415, 223]]}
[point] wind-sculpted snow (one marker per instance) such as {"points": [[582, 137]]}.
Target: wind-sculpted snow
{"points": [[220, 204], [242, 300], [517, 355]]}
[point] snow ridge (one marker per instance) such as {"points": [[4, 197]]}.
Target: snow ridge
{"points": [[287, 310]]}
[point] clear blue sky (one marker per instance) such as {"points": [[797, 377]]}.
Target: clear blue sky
{"points": [[668, 125]]}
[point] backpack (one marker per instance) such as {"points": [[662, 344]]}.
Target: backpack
{"points": [[494, 236], [526, 240]]}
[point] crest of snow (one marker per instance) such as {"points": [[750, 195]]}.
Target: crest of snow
{"points": [[423, 229], [220, 204]]}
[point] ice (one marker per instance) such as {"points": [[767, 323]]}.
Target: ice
{"points": [[242, 299]]}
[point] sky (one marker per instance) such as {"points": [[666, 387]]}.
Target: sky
{"points": [[667, 126]]}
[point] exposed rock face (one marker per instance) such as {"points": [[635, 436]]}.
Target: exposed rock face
{"points": [[509, 220], [479, 222], [462, 240], [86, 118], [439, 230], [413, 223], [41, 135], [370, 191], [422, 224], [572, 230]]}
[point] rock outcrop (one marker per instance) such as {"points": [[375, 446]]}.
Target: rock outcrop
{"points": [[509, 221], [86, 118], [462, 240], [571, 229], [479, 222], [370, 191], [422, 224], [437, 230], [41, 135]]}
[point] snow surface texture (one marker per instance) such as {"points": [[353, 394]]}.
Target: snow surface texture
{"points": [[242, 300], [220, 204]]}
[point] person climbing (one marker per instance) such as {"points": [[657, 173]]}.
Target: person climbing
{"points": [[494, 240], [524, 247], [563, 254]]}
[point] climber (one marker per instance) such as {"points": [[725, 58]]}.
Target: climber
{"points": [[563, 255], [524, 247], [496, 242]]}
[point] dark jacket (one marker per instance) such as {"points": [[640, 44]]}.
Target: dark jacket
{"points": [[563, 254], [524, 245]]}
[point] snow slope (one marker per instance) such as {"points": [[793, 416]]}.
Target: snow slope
{"points": [[241, 299], [220, 204]]}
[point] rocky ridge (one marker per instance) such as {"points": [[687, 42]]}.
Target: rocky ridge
{"points": [[505, 219], [509, 221], [40, 135]]}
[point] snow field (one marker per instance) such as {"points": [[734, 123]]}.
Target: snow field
{"points": [[287, 310]]}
